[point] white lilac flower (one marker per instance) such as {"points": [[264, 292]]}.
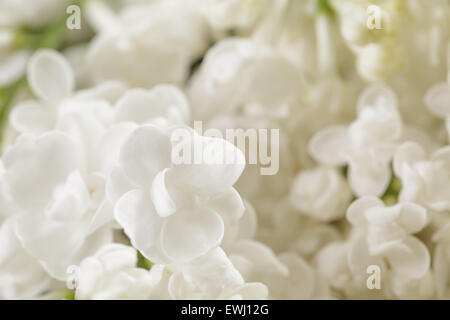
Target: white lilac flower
{"points": [[62, 215], [212, 276], [111, 273], [407, 288], [386, 234], [101, 173], [173, 211], [425, 179], [372, 30], [52, 81], [367, 145], [287, 230], [321, 193], [233, 14], [50, 78], [241, 72], [21, 275], [287, 275], [146, 44]]}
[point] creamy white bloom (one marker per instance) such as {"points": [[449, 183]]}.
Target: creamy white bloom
{"points": [[367, 145], [321, 193], [233, 14], [386, 233], [52, 81], [241, 72], [212, 276], [112, 274], [146, 44], [407, 288], [21, 275], [287, 275], [425, 179], [173, 211], [62, 213], [371, 30]]}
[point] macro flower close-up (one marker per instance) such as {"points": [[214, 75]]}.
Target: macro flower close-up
{"points": [[224, 150]]}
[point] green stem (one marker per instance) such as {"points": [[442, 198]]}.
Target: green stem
{"points": [[143, 262], [8, 94]]}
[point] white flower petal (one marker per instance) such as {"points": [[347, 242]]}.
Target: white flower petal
{"points": [[228, 204], [115, 257], [299, 284], [110, 91], [443, 154], [248, 223], [140, 106], [35, 166], [327, 145], [356, 211], [103, 215], [53, 243], [109, 145], [408, 153], [70, 200], [189, 234], [21, 276], [212, 273], [32, 117], [411, 217], [161, 198], [261, 256], [146, 151], [219, 167], [250, 291], [412, 259], [377, 94], [412, 184], [135, 213], [118, 184], [368, 175], [437, 99], [50, 75], [358, 257]]}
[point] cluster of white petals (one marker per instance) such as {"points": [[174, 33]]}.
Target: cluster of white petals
{"points": [[96, 204]]}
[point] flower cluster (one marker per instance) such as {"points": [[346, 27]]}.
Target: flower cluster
{"points": [[97, 200]]}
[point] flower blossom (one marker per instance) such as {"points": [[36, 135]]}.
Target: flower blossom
{"points": [[425, 179], [321, 193], [386, 233], [367, 145], [173, 211]]}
